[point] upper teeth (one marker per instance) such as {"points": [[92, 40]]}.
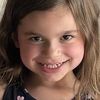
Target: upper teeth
{"points": [[52, 65]]}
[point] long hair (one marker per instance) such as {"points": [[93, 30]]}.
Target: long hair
{"points": [[85, 13]]}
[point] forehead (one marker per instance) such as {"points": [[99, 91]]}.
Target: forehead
{"points": [[58, 11], [54, 19]]}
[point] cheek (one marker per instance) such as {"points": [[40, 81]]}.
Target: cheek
{"points": [[74, 49], [28, 53], [75, 52]]}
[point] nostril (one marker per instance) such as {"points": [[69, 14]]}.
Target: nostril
{"points": [[52, 50]]}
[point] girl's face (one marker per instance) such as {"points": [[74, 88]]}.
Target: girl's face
{"points": [[50, 44]]}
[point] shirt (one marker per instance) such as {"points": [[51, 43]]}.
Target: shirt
{"points": [[16, 91]]}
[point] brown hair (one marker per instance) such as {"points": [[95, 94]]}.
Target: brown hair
{"points": [[85, 13]]}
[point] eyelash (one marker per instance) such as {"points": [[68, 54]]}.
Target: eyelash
{"points": [[36, 39], [67, 37], [39, 39]]}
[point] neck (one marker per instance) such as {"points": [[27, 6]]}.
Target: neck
{"points": [[65, 88], [32, 80]]}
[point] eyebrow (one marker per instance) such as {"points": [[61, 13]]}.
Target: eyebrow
{"points": [[31, 33], [70, 31], [37, 33]]}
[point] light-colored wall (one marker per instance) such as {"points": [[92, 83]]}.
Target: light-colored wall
{"points": [[2, 5]]}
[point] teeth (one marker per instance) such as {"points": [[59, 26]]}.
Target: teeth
{"points": [[52, 65], [59, 64]]}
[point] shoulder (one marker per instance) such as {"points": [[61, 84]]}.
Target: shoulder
{"points": [[9, 91], [2, 90]]}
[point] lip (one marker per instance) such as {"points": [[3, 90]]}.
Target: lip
{"points": [[51, 68]]}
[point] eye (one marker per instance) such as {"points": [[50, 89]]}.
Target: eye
{"points": [[36, 39], [66, 37]]}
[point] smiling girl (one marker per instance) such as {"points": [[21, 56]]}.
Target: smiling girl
{"points": [[49, 50]]}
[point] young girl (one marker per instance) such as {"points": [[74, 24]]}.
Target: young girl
{"points": [[49, 50]]}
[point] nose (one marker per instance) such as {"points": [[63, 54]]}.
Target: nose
{"points": [[52, 50]]}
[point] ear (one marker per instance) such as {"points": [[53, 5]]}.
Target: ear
{"points": [[14, 37]]}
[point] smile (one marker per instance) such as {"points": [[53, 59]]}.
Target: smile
{"points": [[53, 66]]}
